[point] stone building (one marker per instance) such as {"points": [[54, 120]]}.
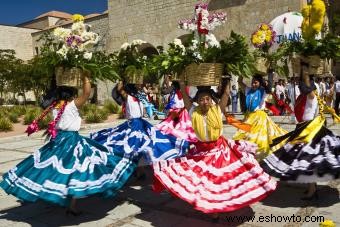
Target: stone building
{"points": [[154, 21]]}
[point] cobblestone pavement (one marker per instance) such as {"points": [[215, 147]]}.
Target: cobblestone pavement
{"points": [[136, 204]]}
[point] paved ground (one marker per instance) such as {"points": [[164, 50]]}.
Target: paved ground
{"points": [[136, 205]]}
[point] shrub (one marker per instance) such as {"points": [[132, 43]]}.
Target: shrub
{"points": [[31, 114], [87, 108], [43, 124], [19, 110], [93, 117], [111, 106], [13, 117], [5, 124], [96, 116]]}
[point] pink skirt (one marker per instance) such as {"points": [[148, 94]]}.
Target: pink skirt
{"points": [[178, 124], [219, 176]]}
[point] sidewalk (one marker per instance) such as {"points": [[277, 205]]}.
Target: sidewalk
{"points": [[136, 204]]}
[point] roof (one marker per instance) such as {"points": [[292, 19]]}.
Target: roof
{"points": [[55, 14], [92, 15]]}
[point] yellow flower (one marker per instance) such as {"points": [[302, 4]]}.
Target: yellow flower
{"points": [[77, 18], [313, 17], [327, 223], [264, 27]]}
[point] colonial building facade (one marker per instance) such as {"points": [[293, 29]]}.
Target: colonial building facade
{"points": [[154, 21]]}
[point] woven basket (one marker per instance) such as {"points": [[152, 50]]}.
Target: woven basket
{"points": [[261, 65], [134, 78], [315, 65], [296, 64], [178, 76], [70, 77], [204, 74]]}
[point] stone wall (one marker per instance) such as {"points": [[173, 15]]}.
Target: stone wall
{"points": [[18, 39], [155, 21]]}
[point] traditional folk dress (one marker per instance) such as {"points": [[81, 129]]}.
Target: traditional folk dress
{"points": [[217, 175], [311, 152], [263, 129], [139, 138], [68, 166], [178, 121]]}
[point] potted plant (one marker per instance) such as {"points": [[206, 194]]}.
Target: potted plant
{"points": [[202, 59], [313, 49], [131, 63], [71, 52]]}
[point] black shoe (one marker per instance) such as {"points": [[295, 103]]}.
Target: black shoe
{"points": [[73, 212], [312, 197]]}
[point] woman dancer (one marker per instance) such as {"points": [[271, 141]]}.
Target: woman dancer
{"points": [[311, 152], [217, 175], [69, 166], [263, 129], [178, 121], [136, 136]]}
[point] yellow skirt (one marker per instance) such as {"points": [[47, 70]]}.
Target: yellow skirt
{"points": [[263, 131]]}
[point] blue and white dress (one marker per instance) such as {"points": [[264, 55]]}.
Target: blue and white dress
{"points": [[139, 138], [69, 166]]}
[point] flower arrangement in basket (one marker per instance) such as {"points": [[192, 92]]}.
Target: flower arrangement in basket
{"points": [[131, 63], [263, 39], [72, 51], [313, 49], [203, 59]]}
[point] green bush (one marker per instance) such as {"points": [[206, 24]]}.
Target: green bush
{"points": [[96, 116], [5, 124], [19, 110], [111, 106], [13, 117], [31, 114], [93, 117], [87, 108], [43, 124]]}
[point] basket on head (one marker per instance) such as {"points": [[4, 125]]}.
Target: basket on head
{"points": [[134, 78], [178, 76], [296, 63], [204, 74], [315, 65], [261, 65], [70, 77]]}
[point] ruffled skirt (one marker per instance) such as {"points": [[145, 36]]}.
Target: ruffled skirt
{"points": [[219, 176], [69, 166], [137, 137], [306, 161], [178, 124], [262, 133]]}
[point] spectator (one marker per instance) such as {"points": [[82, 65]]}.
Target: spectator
{"points": [[234, 98], [323, 89], [329, 93], [166, 89], [337, 94]]}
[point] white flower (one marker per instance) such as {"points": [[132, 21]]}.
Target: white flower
{"points": [[87, 55], [211, 40], [61, 33], [178, 43], [125, 46], [63, 51], [137, 42], [78, 28]]}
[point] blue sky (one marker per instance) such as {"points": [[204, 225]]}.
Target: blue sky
{"points": [[13, 12]]}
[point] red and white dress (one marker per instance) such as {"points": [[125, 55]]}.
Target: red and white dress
{"points": [[178, 121], [215, 176]]}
